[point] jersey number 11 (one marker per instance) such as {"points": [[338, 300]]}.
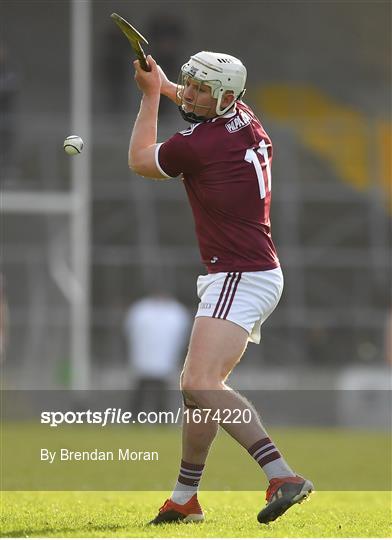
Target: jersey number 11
{"points": [[263, 171]]}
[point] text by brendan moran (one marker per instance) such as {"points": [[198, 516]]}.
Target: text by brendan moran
{"points": [[121, 454]]}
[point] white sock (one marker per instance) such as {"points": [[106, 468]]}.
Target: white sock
{"points": [[182, 493], [278, 469], [270, 460], [187, 482]]}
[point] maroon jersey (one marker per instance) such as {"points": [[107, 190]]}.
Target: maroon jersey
{"points": [[226, 167]]}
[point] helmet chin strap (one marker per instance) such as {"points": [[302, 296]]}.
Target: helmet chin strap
{"points": [[195, 119], [191, 116]]}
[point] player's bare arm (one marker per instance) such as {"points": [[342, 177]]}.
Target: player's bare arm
{"points": [[143, 143]]}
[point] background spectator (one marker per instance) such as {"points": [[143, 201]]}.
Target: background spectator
{"points": [[155, 328]]}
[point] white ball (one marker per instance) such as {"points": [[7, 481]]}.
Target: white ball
{"points": [[73, 145]]}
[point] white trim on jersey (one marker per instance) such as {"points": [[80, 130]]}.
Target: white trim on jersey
{"points": [[189, 130], [157, 162], [227, 115]]}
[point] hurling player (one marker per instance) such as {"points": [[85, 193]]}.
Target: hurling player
{"points": [[224, 159]]}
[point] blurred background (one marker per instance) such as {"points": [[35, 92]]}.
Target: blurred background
{"points": [[83, 238]]}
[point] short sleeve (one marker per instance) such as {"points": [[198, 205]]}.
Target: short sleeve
{"points": [[175, 156]]}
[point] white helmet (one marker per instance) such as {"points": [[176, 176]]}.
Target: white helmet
{"points": [[221, 72]]}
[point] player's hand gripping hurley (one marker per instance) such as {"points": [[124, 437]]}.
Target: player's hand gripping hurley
{"points": [[134, 38]]}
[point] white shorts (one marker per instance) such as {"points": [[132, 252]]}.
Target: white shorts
{"points": [[244, 298]]}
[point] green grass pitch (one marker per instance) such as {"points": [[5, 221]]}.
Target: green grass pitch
{"points": [[228, 514], [343, 469]]}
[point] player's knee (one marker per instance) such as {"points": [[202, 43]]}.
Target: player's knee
{"points": [[188, 402], [188, 384], [195, 382], [191, 380]]}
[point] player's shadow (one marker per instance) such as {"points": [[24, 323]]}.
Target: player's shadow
{"points": [[24, 533], [42, 533]]}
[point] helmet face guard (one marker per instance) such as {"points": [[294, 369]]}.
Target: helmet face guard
{"points": [[184, 106], [221, 73]]}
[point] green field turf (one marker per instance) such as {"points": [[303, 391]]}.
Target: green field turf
{"points": [[330, 457], [228, 514], [352, 480]]}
